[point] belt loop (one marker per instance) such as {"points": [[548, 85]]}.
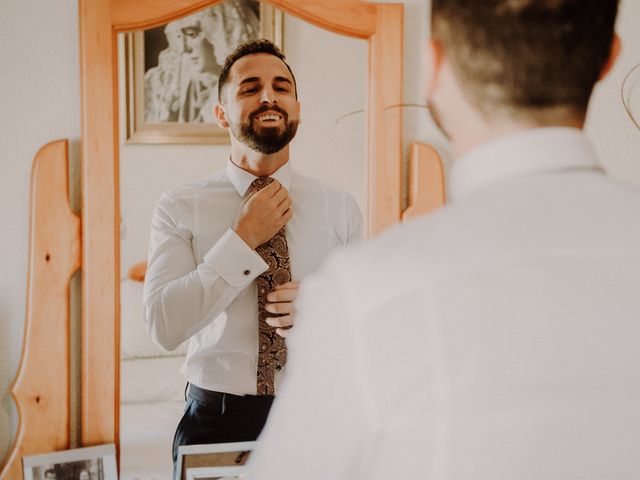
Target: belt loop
{"points": [[224, 406], [185, 391]]}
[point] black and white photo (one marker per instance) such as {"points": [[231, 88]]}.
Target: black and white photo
{"points": [[91, 463], [173, 70]]}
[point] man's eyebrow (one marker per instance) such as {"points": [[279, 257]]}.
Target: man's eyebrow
{"points": [[283, 79], [249, 80], [257, 79]]}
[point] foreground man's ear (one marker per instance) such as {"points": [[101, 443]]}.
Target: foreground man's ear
{"points": [[616, 46], [433, 65], [221, 115]]}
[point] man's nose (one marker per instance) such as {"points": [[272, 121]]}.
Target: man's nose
{"points": [[268, 96]]}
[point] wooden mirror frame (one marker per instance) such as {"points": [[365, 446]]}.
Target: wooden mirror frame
{"points": [[100, 22]]}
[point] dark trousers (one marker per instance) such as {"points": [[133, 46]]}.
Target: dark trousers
{"points": [[215, 417]]}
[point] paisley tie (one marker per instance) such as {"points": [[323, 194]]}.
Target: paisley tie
{"points": [[272, 351]]}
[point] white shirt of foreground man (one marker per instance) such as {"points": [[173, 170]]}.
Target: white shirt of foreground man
{"points": [[495, 339], [191, 238]]}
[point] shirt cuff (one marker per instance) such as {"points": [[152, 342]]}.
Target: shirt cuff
{"points": [[233, 260]]}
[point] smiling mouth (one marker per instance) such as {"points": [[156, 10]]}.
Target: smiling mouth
{"points": [[269, 117]]}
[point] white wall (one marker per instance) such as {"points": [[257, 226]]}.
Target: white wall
{"points": [[39, 94], [616, 139], [40, 101]]}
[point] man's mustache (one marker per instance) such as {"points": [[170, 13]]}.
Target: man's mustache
{"points": [[267, 108]]}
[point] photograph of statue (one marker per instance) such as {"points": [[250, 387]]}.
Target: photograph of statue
{"points": [[183, 59]]}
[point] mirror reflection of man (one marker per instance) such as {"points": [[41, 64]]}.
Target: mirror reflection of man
{"points": [[50, 474], [204, 267], [498, 337]]}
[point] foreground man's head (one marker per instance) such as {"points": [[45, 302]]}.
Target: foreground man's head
{"points": [[502, 65]]}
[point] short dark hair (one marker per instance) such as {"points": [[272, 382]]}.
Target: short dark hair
{"points": [[249, 48], [526, 57]]}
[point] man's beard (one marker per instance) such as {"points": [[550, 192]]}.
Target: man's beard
{"points": [[270, 140]]}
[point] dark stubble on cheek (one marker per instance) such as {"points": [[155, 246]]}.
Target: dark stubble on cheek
{"points": [[269, 140]]}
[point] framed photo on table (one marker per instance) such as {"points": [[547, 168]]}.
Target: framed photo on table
{"points": [[216, 473], [91, 463], [213, 461], [171, 71]]}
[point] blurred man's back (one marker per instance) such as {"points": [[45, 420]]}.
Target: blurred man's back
{"points": [[496, 338], [499, 338]]}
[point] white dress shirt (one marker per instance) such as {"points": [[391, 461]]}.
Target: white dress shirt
{"points": [[200, 283], [496, 338]]}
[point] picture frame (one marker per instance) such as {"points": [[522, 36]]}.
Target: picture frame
{"points": [[90, 463], [216, 473], [217, 460], [171, 71]]}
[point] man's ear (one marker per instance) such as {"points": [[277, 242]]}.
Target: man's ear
{"points": [[221, 115], [616, 45], [433, 66]]}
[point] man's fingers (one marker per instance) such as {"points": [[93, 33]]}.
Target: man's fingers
{"points": [[285, 205], [281, 308], [287, 285], [279, 197], [273, 187], [269, 191], [286, 216], [281, 322], [282, 199], [283, 332], [283, 295]]}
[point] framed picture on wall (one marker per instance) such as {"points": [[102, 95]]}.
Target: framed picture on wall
{"points": [[172, 70], [91, 463], [213, 461]]}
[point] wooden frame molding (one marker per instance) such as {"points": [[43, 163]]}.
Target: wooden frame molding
{"points": [[41, 388], [100, 20], [426, 181]]}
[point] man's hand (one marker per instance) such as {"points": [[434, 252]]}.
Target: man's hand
{"points": [[263, 214], [280, 300]]}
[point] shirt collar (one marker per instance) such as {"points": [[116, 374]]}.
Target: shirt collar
{"points": [[528, 152], [242, 180]]}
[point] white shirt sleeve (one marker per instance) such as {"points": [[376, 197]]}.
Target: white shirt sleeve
{"points": [[317, 419], [180, 296]]}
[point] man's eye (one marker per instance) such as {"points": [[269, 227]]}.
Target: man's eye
{"points": [[282, 89], [249, 90]]}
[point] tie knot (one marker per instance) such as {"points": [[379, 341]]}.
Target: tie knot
{"points": [[261, 182]]}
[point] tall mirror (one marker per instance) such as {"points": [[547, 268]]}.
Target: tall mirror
{"points": [[357, 152], [168, 136], [329, 146]]}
